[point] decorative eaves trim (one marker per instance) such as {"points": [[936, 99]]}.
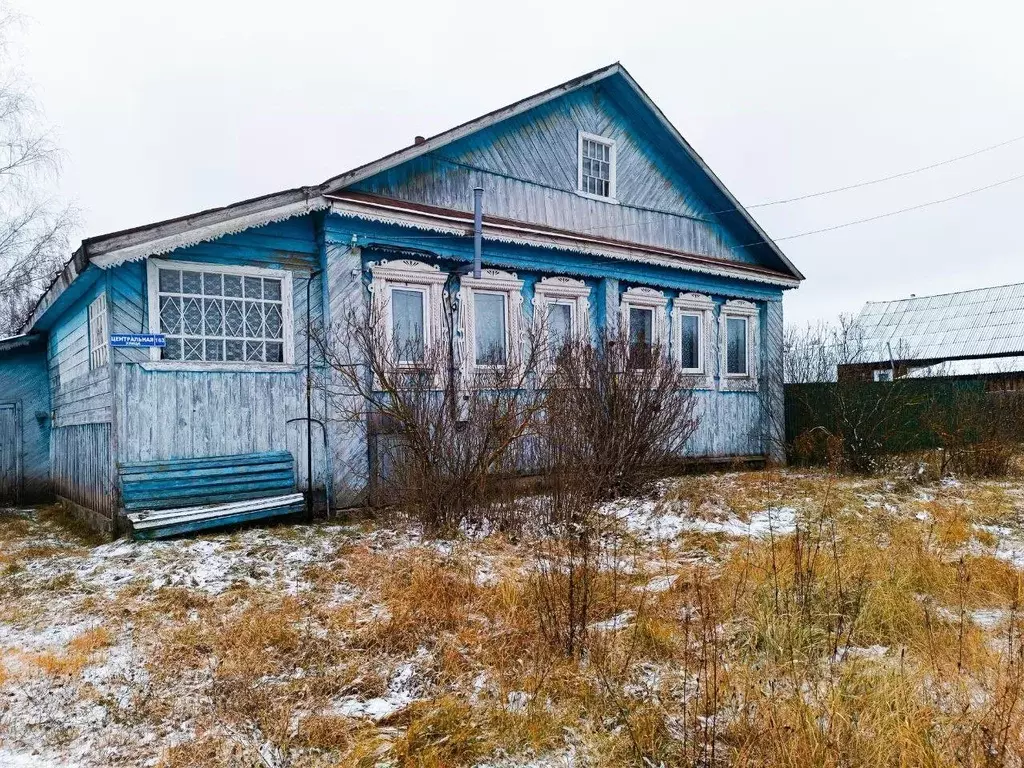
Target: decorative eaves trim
{"points": [[205, 233], [524, 235]]}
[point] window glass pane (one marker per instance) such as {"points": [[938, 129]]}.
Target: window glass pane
{"points": [[559, 326], [192, 348], [490, 328], [272, 290], [690, 350], [641, 327], [253, 288], [201, 325], [211, 284], [232, 285], [407, 322], [170, 280], [191, 282], [170, 314], [192, 316], [274, 322], [172, 351], [233, 318], [212, 310], [736, 351], [253, 318]]}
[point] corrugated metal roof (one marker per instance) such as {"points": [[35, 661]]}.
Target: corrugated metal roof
{"points": [[970, 367], [985, 321]]}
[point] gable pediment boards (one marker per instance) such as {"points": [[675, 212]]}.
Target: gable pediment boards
{"points": [[528, 166]]}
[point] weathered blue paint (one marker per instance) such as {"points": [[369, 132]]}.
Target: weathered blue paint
{"points": [[129, 414], [214, 480], [527, 166], [26, 396]]}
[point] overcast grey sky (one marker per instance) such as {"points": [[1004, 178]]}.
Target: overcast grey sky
{"points": [[168, 108]]}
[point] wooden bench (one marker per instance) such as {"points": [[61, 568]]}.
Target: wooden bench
{"points": [[167, 498]]}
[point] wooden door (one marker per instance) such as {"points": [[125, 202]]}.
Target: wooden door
{"points": [[10, 453]]}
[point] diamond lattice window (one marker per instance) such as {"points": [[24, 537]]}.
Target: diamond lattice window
{"points": [[207, 315]]}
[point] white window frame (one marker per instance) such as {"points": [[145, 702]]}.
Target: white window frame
{"points": [[153, 267], [703, 307], [612, 167], [646, 298], [491, 281], [99, 338], [561, 290], [748, 311], [409, 274], [883, 374]]}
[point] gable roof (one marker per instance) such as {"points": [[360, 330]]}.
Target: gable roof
{"points": [[164, 236], [613, 73], [985, 322]]}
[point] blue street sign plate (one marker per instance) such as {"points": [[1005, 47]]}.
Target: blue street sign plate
{"points": [[137, 340]]}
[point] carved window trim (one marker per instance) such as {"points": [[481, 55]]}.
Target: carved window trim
{"points": [[490, 281], [410, 274], [287, 338], [561, 290], [703, 307], [99, 338], [642, 297], [748, 311]]}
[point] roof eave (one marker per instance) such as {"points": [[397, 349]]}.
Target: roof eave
{"points": [[354, 176]]}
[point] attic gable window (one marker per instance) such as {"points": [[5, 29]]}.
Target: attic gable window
{"points": [[596, 177], [220, 314]]}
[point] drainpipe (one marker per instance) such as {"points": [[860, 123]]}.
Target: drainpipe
{"points": [[478, 229]]}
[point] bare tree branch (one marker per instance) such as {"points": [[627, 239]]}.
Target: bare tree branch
{"points": [[35, 229]]}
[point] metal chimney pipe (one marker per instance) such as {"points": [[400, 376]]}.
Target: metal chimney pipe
{"points": [[478, 229]]}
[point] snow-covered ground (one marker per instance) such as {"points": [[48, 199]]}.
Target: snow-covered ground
{"points": [[80, 624]]}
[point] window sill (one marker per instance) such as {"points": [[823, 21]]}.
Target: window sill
{"points": [[599, 198], [203, 367], [739, 384]]}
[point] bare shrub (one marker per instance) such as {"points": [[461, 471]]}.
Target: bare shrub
{"points": [[616, 415], [441, 438], [979, 433]]}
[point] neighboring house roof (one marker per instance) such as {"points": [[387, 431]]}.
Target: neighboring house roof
{"points": [[985, 322], [21, 341], [164, 236], [974, 366]]}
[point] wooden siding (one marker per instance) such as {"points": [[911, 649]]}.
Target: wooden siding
{"points": [[24, 384], [81, 466], [528, 168], [191, 415], [348, 442], [729, 424], [80, 395], [773, 382]]}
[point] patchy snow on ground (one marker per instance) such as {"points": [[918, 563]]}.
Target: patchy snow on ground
{"points": [[403, 690], [1009, 543], [650, 521], [619, 621]]}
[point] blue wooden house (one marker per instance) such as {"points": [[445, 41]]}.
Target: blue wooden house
{"points": [[594, 205]]}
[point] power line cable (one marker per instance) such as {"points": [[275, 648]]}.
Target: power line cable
{"points": [[881, 179], [894, 213]]}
